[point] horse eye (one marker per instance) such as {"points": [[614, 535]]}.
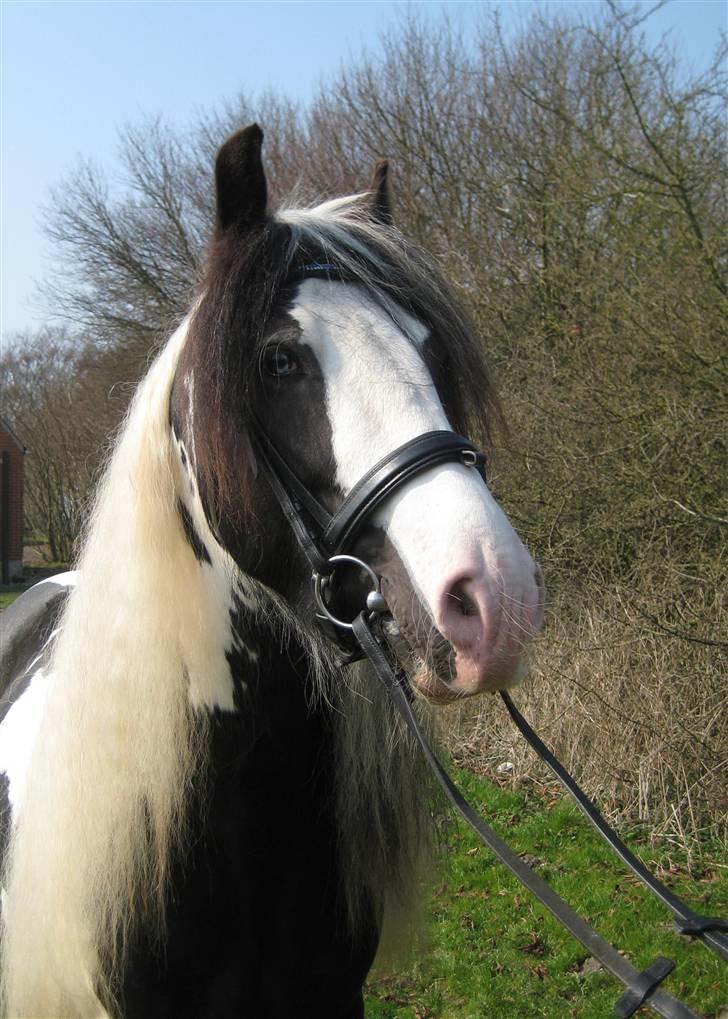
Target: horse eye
{"points": [[279, 361]]}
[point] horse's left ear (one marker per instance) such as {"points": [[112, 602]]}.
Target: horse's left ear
{"points": [[381, 207], [242, 193]]}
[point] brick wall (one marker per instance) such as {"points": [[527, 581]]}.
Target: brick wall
{"points": [[10, 445]]}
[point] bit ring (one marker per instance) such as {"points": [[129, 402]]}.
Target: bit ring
{"points": [[375, 600]]}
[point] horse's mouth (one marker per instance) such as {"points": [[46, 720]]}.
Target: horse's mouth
{"points": [[429, 674], [434, 667], [432, 673]]}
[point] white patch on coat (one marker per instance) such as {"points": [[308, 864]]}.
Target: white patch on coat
{"points": [[189, 384]]}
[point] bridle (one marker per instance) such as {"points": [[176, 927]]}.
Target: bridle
{"points": [[327, 540]]}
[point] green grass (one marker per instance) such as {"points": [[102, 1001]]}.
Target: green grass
{"points": [[492, 951]]}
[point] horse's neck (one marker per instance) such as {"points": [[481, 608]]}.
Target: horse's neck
{"points": [[257, 684]]}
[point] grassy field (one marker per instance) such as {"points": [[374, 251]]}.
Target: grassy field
{"points": [[491, 951]]}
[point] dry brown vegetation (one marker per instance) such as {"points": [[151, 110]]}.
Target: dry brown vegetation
{"points": [[571, 180]]}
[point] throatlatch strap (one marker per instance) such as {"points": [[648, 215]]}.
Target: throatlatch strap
{"points": [[299, 507], [641, 987], [686, 920]]}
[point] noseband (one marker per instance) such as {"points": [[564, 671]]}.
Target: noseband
{"points": [[327, 539]]}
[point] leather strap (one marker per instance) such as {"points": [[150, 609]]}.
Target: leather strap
{"points": [[303, 512], [320, 271], [641, 987]]}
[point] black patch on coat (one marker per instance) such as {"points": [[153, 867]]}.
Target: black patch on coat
{"points": [[255, 921], [247, 640]]}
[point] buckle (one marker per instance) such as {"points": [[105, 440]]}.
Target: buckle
{"points": [[473, 458], [645, 983]]}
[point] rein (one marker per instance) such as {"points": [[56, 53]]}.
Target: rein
{"points": [[325, 538]]}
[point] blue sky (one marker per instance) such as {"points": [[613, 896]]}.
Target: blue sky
{"points": [[73, 73]]}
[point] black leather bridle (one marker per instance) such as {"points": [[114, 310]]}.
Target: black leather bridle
{"points": [[327, 541]]}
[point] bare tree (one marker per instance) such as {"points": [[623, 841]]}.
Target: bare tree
{"points": [[39, 399]]}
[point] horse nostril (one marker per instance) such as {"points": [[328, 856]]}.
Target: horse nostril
{"points": [[465, 605]]}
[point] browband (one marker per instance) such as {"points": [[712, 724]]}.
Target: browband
{"points": [[318, 270]]}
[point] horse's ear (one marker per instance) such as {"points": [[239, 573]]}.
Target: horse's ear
{"points": [[381, 208], [242, 193]]}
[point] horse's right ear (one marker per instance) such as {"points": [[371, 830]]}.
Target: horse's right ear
{"points": [[242, 193]]}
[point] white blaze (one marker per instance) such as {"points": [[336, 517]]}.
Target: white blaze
{"points": [[380, 394]]}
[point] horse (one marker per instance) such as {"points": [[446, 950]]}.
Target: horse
{"points": [[208, 812]]}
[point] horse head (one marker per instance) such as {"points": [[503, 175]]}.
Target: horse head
{"points": [[329, 333]]}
